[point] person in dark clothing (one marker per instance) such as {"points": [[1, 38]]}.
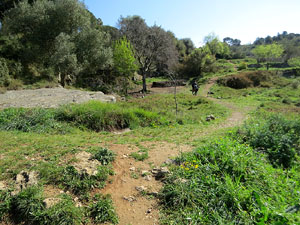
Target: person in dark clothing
{"points": [[195, 88]]}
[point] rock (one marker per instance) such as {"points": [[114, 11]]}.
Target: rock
{"points": [[180, 181], [149, 211], [160, 173], [132, 169], [170, 162], [129, 198], [24, 180], [210, 93], [148, 178], [85, 164], [140, 188], [210, 117], [3, 186], [49, 202]]}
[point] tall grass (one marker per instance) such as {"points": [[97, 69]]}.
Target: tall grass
{"points": [[99, 116], [226, 182]]}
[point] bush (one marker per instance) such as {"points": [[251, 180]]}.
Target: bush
{"points": [[242, 66], [4, 73], [105, 156], [276, 136], [245, 79]]}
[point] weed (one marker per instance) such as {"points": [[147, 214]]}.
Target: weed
{"points": [[102, 210], [140, 155], [105, 156]]}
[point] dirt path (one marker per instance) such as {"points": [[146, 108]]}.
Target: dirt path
{"points": [[135, 207]]}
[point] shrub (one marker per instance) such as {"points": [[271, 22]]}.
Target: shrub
{"points": [[242, 66], [4, 73], [245, 79], [278, 137], [105, 156]]}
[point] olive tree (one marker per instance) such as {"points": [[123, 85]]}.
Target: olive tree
{"points": [[151, 44]]}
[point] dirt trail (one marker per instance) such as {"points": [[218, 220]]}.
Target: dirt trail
{"points": [[132, 206]]}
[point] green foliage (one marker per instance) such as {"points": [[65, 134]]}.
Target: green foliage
{"points": [[268, 52], [278, 137], [64, 213], [4, 73], [226, 182], [215, 47], [28, 207], [124, 61], [294, 62], [140, 155], [104, 155], [101, 210], [31, 120], [64, 59], [197, 63], [80, 184], [99, 116], [242, 66]]}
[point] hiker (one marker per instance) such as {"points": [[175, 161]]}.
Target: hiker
{"points": [[195, 88]]}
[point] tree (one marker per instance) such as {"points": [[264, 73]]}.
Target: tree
{"points": [[124, 61], [45, 28], [231, 41], [151, 44], [267, 53], [64, 58], [198, 62], [216, 47]]}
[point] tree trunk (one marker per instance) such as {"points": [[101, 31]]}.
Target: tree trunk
{"points": [[144, 83]]}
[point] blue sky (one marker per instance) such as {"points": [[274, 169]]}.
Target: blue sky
{"points": [[242, 19]]}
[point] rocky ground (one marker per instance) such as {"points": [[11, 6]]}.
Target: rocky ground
{"points": [[49, 97]]}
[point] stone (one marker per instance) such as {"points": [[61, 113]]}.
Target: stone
{"points": [[85, 164], [210, 117], [132, 169], [25, 179], [180, 181], [129, 198], [140, 188], [148, 178], [3, 186], [170, 162], [49, 202]]}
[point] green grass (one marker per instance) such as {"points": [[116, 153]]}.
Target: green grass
{"points": [[226, 182]]}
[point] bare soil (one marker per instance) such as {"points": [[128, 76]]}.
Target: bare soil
{"points": [[144, 209]]}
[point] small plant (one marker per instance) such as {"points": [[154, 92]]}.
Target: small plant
{"points": [[105, 156], [140, 155], [242, 66], [80, 184], [278, 137], [102, 210]]}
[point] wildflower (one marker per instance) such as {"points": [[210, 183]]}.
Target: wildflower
{"points": [[196, 166]]}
